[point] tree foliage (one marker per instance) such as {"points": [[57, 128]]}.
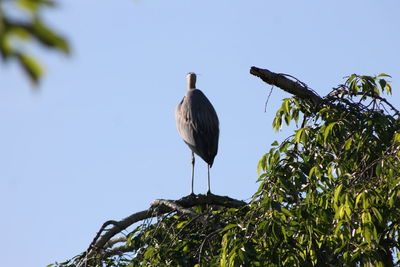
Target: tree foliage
{"points": [[21, 24], [329, 195], [331, 190]]}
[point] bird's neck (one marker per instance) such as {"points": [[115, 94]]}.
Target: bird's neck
{"points": [[191, 82]]}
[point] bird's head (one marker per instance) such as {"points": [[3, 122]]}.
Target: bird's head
{"points": [[191, 78]]}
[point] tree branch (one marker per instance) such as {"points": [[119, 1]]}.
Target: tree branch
{"points": [[114, 241], [294, 87], [158, 207]]}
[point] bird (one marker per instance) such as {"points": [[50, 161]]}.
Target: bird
{"points": [[198, 125]]}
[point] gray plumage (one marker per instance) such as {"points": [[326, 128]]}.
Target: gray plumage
{"points": [[198, 125]]}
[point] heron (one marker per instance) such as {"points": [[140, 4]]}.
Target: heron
{"points": [[198, 125]]}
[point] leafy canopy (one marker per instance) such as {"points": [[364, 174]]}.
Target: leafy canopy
{"points": [[331, 190]]}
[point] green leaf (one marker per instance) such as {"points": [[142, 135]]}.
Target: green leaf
{"points": [[298, 135], [338, 227], [378, 169], [336, 195], [377, 214], [277, 123], [348, 143], [34, 5], [261, 164], [295, 115], [312, 171], [367, 234], [396, 137], [347, 210], [366, 203], [31, 67], [287, 212], [359, 196], [48, 37], [287, 118], [181, 224], [30, 5], [384, 75], [286, 106], [366, 217], [230, 226], [224, 254], [382, 83], [351, 78], [392, 199], [6, 49], [150, 252], [388, 88], [328, 130], [19, 31], [341, 212]]}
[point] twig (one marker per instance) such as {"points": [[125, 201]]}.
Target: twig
{"points": [[204, 241], [266, 102]]}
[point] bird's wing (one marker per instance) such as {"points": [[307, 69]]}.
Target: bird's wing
{"points": [[183, 122], [198, 124]]}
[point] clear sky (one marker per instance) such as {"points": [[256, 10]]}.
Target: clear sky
{"points": [[98, 141]]}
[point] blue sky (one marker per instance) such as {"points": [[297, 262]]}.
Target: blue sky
{"points": [[98, 141]]}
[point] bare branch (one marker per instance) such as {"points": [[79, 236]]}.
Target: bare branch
{"points": [[282, 81]]}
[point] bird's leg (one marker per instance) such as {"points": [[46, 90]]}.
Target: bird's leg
{"points": [[193, 160], [209, 188]]}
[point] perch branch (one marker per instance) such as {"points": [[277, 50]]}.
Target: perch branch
{"points": [[158, 207]]}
